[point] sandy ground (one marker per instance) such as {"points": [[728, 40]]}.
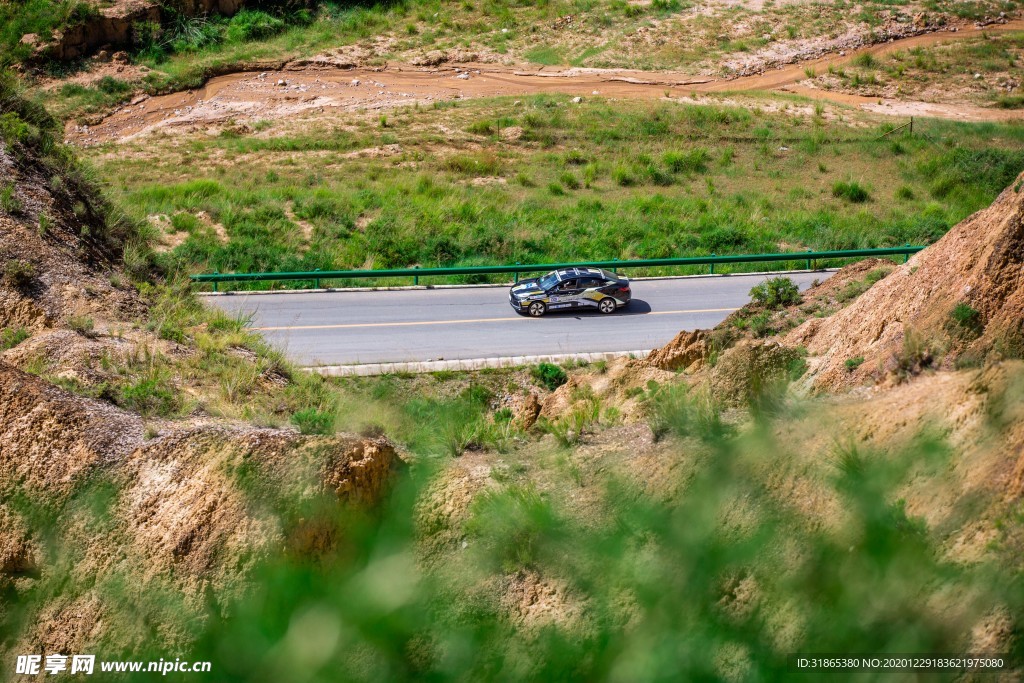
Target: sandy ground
{"points": [[318, 85]]}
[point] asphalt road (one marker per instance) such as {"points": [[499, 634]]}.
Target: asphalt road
{"points": [[346, 327]]}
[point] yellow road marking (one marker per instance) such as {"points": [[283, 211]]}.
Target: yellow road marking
{"points": [[347, 326]]}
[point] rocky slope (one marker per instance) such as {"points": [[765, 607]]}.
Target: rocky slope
{"points": [[962, 298], [96, 508]]}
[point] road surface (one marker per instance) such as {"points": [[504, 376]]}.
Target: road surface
{"points": [[348, 327]]}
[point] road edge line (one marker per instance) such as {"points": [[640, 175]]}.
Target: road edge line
{"points": [[337, 290], [466, 364]]}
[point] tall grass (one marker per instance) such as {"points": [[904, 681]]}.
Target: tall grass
{"points": [[622, 186]]}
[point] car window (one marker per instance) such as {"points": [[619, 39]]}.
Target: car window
{"points": [[548, 281], [590, 282], [568, 284]]}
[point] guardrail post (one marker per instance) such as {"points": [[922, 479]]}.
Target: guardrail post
{"points": [[416, 278], [906, 256], [216, 272], [517, 273], [316, 281], [808, 260], [712, 264]]}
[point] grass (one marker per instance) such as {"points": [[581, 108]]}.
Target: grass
{"points": [[599, 180], [980, 71], [12, 336]]}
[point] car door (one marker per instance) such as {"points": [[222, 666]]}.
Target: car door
{"points": [[588, 296], [564, 295]]}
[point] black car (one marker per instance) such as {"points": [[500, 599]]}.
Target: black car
{"points": [[571, 289]]}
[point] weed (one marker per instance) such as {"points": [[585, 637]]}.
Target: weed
{"points": [[852, 364], [12, 336], [966, 321], [313, 421], [548, 375], [150, 396], [851, 191], [9, 201]]}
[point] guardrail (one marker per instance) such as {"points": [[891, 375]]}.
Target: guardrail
{"points": [[809, 257]]}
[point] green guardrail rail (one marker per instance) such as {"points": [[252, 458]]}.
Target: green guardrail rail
{"points": [[809, 257]]}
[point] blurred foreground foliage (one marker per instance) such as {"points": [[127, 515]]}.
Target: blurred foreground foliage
{"points": [[723, 581]]}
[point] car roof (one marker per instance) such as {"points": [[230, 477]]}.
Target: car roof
{"points": [[582, 271]]}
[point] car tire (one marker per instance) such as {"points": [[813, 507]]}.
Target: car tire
{"points": [[537, 309], [607, 305]]}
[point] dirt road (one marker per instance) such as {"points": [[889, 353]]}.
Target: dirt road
{"points": [[320, 86]]}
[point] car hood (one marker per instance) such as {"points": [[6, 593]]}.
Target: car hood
{"points": [[526, 287]]}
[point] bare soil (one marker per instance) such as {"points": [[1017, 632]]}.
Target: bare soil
{"points": [[332, 87]]}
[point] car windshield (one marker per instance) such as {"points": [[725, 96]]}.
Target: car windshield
{"points": [[548, 281]]}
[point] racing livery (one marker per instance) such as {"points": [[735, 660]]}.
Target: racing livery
{"points": [[570, 289]]}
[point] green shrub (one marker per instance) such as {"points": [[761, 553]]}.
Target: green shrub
{"points": [[904, 192], [9, 201], [760, 324], [18, 273], [481, 164], [692, 161], [851, 191], [966, 320], [313, 421], [549, 375], [569, 179], [251, 25], [776, 293], [854, 363], [484, 127], [82, 324], [622, 176], [12, 336], [150, 396]]}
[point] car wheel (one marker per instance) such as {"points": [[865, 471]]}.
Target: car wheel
{"points": [[537, 309], [607, 305]]}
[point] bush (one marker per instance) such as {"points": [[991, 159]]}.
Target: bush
{"points": [[852, 192], [19, 274], [82, 324], [693, 161], [12, 336], [150, 396], [549, 376], [253, 24], [313, 421], [9, 202], [966, 320], [854, 363], [623, 177], [776, 293]]}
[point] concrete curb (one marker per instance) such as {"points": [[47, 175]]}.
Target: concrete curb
{"points": [[496, 285], [417, 367]]}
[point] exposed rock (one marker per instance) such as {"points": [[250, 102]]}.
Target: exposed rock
{"points": [[526, 410], [432, 58], [687, 351], [744, 371]]}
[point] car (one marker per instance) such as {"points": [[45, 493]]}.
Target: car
{"points": [[571, 289]]}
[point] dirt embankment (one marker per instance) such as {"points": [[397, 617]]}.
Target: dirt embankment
{"points": [[961, 298], [92, 499], [117, 25]]}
